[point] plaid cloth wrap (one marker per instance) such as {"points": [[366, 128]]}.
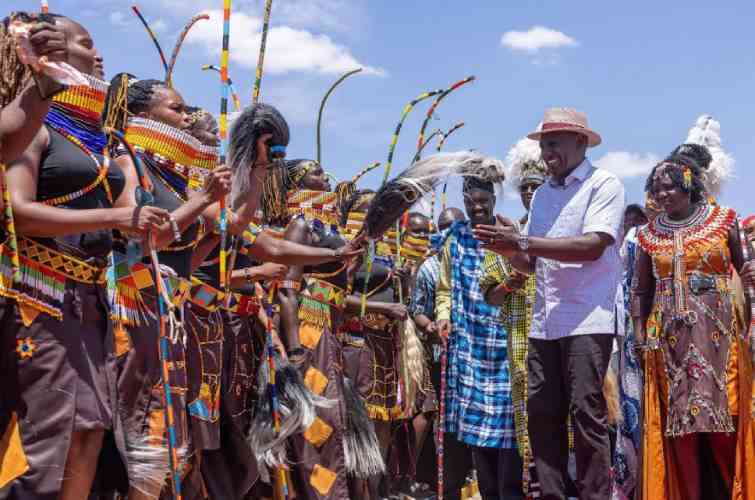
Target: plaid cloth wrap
{"points": [[478, 389], [423, 295]]}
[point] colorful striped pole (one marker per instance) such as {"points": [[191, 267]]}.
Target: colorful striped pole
{"points": [[434, 106], [424, 145], [144, 197], [194, 20], [322, 108], [261, 58], [234, 95], [441, 143], [442, 419], [394, 140], [224, 57], [443, 139], [152, 36]]}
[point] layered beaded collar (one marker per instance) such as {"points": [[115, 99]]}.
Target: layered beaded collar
{"points": [[315, 207], [173, 151], [77, 112], [707, 224]]}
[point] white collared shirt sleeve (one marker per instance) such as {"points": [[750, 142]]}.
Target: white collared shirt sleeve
{"points": [[605, 212]]}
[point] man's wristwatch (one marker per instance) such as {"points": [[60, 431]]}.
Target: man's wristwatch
{"points": [[523, 242]]}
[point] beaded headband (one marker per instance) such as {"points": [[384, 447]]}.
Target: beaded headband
{"points": [[164, 142], [302, 168]]}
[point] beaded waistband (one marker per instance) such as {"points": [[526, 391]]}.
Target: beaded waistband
{"points": [[205, 296]]}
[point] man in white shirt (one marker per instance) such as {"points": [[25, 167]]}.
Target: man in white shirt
{"points": [[572, 244]]}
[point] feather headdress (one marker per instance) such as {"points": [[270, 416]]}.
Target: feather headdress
{"points": [[399, 194], [707, 132], [524, 162]]}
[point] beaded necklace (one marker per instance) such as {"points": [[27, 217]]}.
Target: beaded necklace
{"points": [[206, 161], [705, 227], [320, 206], [172, 152], [75, 114]]}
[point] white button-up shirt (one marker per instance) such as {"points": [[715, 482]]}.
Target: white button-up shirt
{"points": [[578, 298]]}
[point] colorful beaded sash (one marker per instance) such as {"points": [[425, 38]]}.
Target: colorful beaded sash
{"points": [[205, 296], [43, 273], [324, 292], [174, 151], [314, 206], [243, 304]]}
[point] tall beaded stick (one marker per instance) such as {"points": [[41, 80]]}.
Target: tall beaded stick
{"points": [[442, 419], [261, 58], [144, 197], [424, 144], [152, 36], [444, 193], [231, 88], [322, 108], [181, 37], [224, 57], [433, 107]]}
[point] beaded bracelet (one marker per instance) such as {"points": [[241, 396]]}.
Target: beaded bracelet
{"points": [[174, 227]]}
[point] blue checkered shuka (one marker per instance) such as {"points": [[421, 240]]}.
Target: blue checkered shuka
{"points": [[478, 388]]}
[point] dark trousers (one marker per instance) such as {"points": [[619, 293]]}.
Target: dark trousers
{"points": [[457, 462], [499, 473], [566, 378]]}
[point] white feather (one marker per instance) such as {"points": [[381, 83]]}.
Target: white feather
{"points": [[523, 152], [707, 132]]}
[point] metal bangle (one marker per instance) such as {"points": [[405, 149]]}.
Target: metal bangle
{"points": [[174, 227]]}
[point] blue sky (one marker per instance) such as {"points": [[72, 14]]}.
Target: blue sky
{"points": [[643, 71]]}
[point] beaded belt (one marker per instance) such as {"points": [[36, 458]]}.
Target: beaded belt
{"points": [[49, 260]]}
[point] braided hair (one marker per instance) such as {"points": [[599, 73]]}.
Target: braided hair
{"points": [[695, 152], [14, 75], [676, 167], [126, 97]]}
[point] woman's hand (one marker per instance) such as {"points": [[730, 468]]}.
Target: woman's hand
{"points": [[139, 220], [48, 40], [351, 250], [217, 184]]}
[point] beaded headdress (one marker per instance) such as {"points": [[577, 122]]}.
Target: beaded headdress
{"points": [[525, 163]]}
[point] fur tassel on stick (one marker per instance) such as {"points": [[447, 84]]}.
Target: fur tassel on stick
{"points": [[360, 444]]}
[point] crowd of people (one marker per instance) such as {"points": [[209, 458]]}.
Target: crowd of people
{"points": [[178, 326]]}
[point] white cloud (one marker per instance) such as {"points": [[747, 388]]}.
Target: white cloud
{"points": [[119, 19], [536, 38], [288, 49], [627, 165]]}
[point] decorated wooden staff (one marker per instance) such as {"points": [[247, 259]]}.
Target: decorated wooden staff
{"points": [[231, 88], [224, 56], [322, 108], [166, 311], [152, 36], [433, 107], [169, 72], [424, 144], [261, 58], [444, 193]]}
